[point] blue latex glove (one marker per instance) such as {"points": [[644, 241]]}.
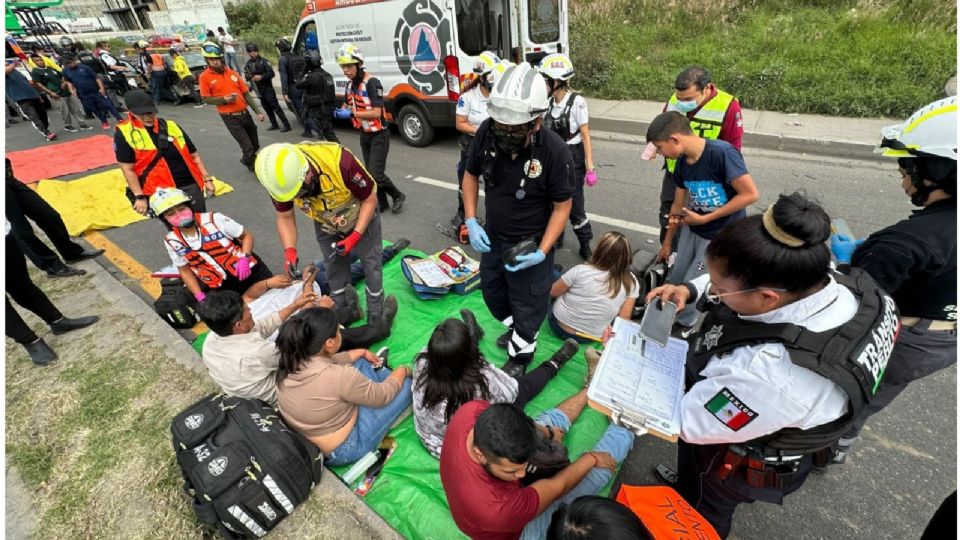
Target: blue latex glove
{"points": [[478, 236], [526, 261], [342, 114], [843, 247]]}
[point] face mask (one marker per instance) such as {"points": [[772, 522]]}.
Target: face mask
{"points": [[509, 143], [686, 106], [182, 219]]}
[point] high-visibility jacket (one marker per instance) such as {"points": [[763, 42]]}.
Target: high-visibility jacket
{"points": [[180, 66], [136, 135], [708, 121], [359, 100], [335, 207], [665, 513], [156, 62], [218, 254]]}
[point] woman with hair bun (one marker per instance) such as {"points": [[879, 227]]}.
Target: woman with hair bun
{"points": [[344, 402], [788, 356]]}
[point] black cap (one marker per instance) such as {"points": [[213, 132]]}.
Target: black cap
{"points": [[252, 47], [139, 102]]}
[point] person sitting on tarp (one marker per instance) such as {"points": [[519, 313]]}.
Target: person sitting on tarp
{"points": [[485, 455], [356, 265], [241, 357], [451, 371], [344, 402], [210, 250]]}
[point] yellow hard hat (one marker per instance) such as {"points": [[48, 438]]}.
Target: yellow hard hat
{"points": [[281, 168], [166, 198], [348, 53], [209, 49]]}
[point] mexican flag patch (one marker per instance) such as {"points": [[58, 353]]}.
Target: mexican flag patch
{"points": [[729, 410]]}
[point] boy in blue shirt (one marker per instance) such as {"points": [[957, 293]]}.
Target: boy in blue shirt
{"points": [[713, 176], [85, 84]]}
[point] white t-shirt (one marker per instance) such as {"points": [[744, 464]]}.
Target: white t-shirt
{"points": [[229, 227], [578, 114], [473, 105], [227, 41], [587, 306]]}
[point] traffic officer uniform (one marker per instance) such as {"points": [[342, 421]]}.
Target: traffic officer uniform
{"points": [[333, 202], [916, 259], [718, 117], [520, 194], [364, 92], [268, 96]]}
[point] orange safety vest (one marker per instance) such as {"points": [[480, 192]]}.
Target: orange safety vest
{"points": [[665, 513], [136, 135], [218, 253], [156, 62], [359, 100]]}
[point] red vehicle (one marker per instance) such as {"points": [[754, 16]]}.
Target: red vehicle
{"points": [[163, 41]]}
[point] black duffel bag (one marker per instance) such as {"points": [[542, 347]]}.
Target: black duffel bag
{"points": [[245, 469], [175, 304]]}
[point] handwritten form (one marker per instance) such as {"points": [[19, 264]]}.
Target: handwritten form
{"points": [[641, 378]]}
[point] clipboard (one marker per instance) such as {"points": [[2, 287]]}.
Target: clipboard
{"points": [[639, 384]]}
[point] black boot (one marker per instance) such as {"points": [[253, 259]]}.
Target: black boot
{"points": [[514, 369], [350, 312], [585, 251], [40, 352], [476, 332], [62, 270], [564, 353], [398, 203], [504, 339], [65, 324], [385, 322]]}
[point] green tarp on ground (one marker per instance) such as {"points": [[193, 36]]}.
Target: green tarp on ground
{"points": [[408, 493]]}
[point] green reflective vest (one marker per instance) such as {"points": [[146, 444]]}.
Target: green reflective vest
{"points": [[708, 121]]}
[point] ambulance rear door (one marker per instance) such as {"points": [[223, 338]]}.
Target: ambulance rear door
{"points": [[544, 28]]}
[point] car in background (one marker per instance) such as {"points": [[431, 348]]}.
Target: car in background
{"points": [[159, 40]]}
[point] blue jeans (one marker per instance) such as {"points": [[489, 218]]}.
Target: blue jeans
{"points": [[616, 440], [158, 87], [372, 424], [560, 332], [100, 106], [230, 59]]}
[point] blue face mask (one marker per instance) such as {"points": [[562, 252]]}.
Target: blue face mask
{"points": [[686, 106]]}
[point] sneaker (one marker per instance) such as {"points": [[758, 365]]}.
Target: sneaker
{"points": [[50, 135], [86, 127], [400, 245], [199, 105], [504, 339], [592, 356], [351, 305], [514, 369], [384, 355], [398, 203], [564, 353], [71, 129], [666, 474], [105, 125], [390, 306]]}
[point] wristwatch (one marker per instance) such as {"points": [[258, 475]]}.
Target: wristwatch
{"points": [[141, 197]]}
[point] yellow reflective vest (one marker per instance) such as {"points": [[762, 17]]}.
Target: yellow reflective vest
{"points": [[335, 207], [708, 121]]}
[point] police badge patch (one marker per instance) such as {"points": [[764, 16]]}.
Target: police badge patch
{"points": [[712, 337], [533, 167]]}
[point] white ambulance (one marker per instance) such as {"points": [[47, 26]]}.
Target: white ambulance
{"points": [[422, 50]]}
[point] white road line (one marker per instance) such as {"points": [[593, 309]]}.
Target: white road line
{"points": [[614, 222]]}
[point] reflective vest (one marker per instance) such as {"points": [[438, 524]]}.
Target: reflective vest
{"points": [[358, 100], [156, 62], [334, 207], [665, 513], [136, 135], [218, 253], [708, 121]]}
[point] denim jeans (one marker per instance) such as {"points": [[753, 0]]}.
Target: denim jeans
{"points": [[372, 424], [560, 332], [616, 440], [230, 60]]}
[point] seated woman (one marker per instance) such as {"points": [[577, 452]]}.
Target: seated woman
{"points": [[344, 402], [590, 295], [451, 371], [210, 250]]}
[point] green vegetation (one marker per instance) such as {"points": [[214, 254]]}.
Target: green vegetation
{"points": [[264, 22], [836, 57]]}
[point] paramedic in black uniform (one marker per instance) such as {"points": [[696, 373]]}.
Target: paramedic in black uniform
{"points": [[527, 175]]}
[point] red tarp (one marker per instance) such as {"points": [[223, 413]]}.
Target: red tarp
{"points": [[53, 160]]}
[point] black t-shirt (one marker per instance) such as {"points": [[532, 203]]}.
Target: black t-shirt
{"points": [[915, 261], [550, 180], [178, 169]]}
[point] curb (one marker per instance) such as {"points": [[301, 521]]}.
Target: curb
{"points": [[634, 131], [330, 488]]}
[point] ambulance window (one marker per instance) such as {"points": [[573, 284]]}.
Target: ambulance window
{"points": [[544, 20], [476, 26], [307, 39]]}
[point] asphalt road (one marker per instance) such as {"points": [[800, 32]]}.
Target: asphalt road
{"points": [[906, 461]]}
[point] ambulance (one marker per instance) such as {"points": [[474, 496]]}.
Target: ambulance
{"points": [[422, 50]]}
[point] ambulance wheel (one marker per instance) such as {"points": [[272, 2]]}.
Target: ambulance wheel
{"points": [[414, 126]]}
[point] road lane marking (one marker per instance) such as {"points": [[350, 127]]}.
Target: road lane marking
{"points": [[614, 222], [132, 268]]}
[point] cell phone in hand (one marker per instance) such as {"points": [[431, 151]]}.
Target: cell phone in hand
{"points": [[658, 321]]}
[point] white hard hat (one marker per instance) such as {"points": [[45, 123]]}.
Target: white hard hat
{"points": [[166, 198], [931, 131], [281, 168], [485, 62], [348, 53], [557, 66], [498, 71], [519, 96]]}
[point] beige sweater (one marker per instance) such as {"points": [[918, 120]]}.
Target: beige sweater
{"points": [[322, 397]]}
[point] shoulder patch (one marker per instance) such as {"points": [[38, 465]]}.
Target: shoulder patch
{"points": [[533, 167], [359, 180], [729, 410]]}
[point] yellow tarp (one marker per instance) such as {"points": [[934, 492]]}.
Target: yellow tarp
{"points": [[96, 201]]}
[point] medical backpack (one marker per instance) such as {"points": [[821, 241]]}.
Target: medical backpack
{"points": [[175, 304], [244, 468], [650, 274]]}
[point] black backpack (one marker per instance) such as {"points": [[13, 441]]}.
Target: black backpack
{"points": [[650, 274], [175, 304], [245, 469]]}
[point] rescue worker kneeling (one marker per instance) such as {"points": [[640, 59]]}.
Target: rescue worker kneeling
{"points": [[210, 250], [789, 355]]}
